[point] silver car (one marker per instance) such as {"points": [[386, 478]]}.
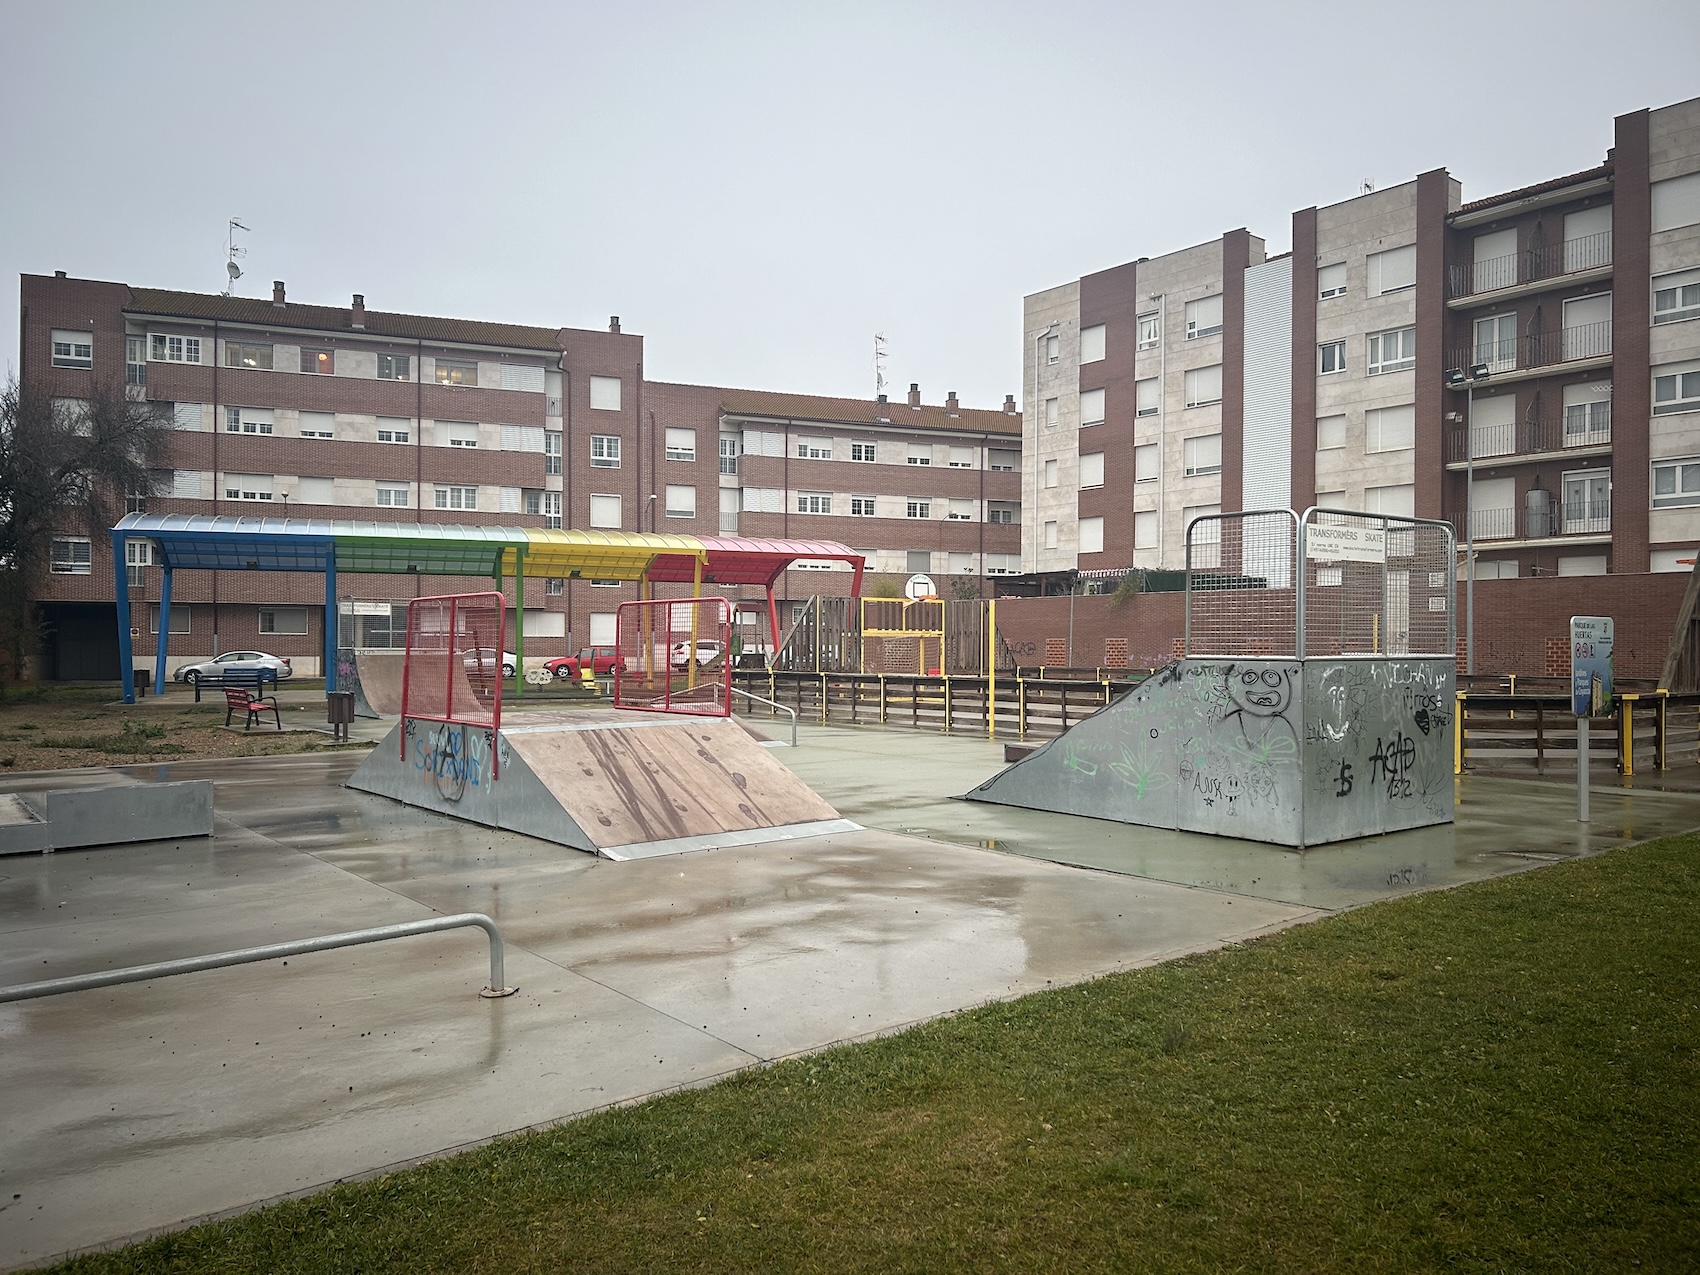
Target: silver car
{"points": [[219, 665]]}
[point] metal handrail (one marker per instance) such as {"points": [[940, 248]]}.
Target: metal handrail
{"points": [[248, 955], [784, 708]]}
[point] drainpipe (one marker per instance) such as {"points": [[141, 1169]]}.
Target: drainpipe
{"points": [[418, 441], [217, 430]]}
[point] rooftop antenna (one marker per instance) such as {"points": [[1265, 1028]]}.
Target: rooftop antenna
{"points": [[231, 252], [1367, 187], [879, 364]]}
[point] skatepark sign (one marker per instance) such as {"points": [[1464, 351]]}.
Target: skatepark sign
{"points": [[1352, 543]]}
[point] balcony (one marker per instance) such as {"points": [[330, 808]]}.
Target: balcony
{"points": [[1532, 268], [1584, 426], [1585, 517], [1523, 357]]}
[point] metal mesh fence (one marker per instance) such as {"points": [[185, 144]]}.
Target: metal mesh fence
{"points": [[1240, 592], [675, 656], [1376, 584], [455, 654]]}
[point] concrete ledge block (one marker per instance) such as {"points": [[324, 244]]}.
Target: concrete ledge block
{"points": [[71, 818]]}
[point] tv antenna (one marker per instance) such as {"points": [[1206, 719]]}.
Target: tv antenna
{"points": [[879, 364], [231, 253], [1367, 186]]}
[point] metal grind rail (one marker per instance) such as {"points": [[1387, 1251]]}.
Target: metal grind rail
{"points": [[772, 703], [272, 951]]}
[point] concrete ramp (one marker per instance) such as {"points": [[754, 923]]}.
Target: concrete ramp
{"points": [[1295, 752], [623, 786]]}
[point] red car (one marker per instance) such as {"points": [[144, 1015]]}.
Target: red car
{"points": [[602, 660]]}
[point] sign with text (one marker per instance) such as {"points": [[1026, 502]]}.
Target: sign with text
{"points": [[918, 587], [1354, 543], [1590, 664]]}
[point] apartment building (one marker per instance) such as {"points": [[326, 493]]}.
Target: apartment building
{"points": [[284, 409], [1530, 357]]}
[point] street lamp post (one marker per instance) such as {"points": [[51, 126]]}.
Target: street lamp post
{"points": [[1455, 378]]}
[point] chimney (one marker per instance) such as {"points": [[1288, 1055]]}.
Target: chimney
{"points": [[58, 274], [914, 393], [357, 313], [614, 324], [1009, 404], [882, 400], [950, 403], [277, 292]]}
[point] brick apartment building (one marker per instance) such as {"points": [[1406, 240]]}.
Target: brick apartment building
{"points": [[302, 410], [1218, 378]]}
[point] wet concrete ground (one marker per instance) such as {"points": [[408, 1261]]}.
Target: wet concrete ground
{"points": [[144, 1106]]}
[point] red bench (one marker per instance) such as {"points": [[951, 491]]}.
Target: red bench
{"points": [[251, 703]]}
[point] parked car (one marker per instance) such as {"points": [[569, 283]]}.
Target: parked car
{"points": [[601, 659], [480, 661], [219, 665], [708, 651]]}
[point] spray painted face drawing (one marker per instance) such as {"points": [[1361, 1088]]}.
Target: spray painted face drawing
{"points": [[1261, 695]]}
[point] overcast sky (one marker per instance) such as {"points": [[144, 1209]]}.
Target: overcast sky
{"points": [[758, 189]]}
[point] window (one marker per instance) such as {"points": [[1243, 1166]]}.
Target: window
{"points": [[604, 628], [527, 378], [1392, 351], [1496, 342], [1676, 388], [318, 424], [962, 458], [321, 361], [1145, 397], [681, 444], [1587, 501], [764, 500], [72, 556], [1331, 500], [1051, 535], [179, 618], [1675, 297], [1092, 535], [1204, 386], [555, 586], [393, 495], [457, 497], [247, 420], [1587, 326], [605, 511], [242, 354], [862, 451], [1092, 469], [163, 348], [1393, 270], [861, 506], [1002, 462], [315, 491], [814, 449], [74, 349], [605, 393], [1002, 564], [1050, 473], [1204, 542], [1331, 281], [1203, 317], [247, 486], [1150, 330], [1092, 343], [394, 429], [680, 501], [1676, 202], [1050, 413], [551, 451], [916, 508], [395, 367], [1398, 500], [1004, 513], [1203, 455], [135, 360], [604, 451], [1330, 432], [1593, 564], [1587, 414], [1330, 357], [456, 372], [457, 434], [286, 620], [1145, 463], [1145, 529], [960, 511], [1053, 349], [1494, 260], [920, 454], [1091, 407], [1390, 429], [1676, 482], [918, 561]]}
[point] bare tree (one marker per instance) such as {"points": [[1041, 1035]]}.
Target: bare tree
{"points": [[65, 466]]}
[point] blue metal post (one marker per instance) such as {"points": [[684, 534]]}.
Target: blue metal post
{"points": [[121, 578], [332, 619], [164, 633]]}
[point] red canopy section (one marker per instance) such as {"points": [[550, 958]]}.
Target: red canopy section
{"points": [[760, 562]]}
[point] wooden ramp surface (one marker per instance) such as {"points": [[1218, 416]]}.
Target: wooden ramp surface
{"points": [[640, 781], [381, 675]]}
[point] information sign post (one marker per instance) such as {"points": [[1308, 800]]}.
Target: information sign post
{"points": [[1590, 689]]}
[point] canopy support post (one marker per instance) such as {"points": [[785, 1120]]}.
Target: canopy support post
{"points": [[519, 623], [164, 633], [333, 620], [121, 578], [772, 626]]}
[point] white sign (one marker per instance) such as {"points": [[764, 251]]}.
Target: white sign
{"points": [[919, 586], [1356, 543]]}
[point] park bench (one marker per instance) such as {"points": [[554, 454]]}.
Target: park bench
{"points": [[252, 679], [242, 693]]}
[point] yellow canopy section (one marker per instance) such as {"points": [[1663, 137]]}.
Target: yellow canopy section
{"points": [[595, 555]]}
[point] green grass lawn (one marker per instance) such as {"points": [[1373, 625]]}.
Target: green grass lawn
{"points": [[1500, 1077]]}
